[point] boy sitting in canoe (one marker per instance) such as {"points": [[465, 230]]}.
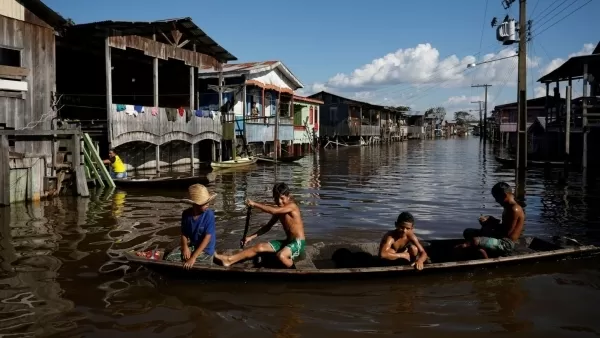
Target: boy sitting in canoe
{"points": [[198, 238], [287, 212], [402, 243], [496, 236]]}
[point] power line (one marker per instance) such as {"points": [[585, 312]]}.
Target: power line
{"points": [[564, 17]]}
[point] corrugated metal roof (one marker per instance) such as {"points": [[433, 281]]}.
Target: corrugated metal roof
{"points": [[236, 69], [190, 31]]}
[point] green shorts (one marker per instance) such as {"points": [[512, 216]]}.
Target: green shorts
{"points": [[295, 245]]}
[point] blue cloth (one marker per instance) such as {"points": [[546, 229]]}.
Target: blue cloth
{"points": [[198, 113], [118, 175], [196, 229], [139, 109], [121, 107]]}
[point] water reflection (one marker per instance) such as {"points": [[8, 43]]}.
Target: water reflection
{"points": [[63, 272]]}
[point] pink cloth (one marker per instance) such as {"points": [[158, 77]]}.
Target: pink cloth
{"points": [[154, 111]]}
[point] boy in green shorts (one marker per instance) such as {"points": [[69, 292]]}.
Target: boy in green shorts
{"points": [[285, 211]]}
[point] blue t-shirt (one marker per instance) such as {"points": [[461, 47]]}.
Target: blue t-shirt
{"points": [[196, 229]]}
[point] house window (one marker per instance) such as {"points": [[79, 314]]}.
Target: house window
{"points": [[10, 57], [310, 116]]}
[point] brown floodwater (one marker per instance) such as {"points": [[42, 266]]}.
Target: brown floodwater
{"points": [[63, 274]]}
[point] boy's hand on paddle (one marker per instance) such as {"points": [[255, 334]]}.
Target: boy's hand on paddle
{"points": [[245, 241], [189, 263], [250, 203], [186, 253]]}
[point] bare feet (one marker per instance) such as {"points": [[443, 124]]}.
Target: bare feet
{"points": [[225, 260], [483, 254]]}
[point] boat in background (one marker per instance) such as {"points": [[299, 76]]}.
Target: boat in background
{"points": [[164, 181], [284, 159], [238, 162], [512, 163]]}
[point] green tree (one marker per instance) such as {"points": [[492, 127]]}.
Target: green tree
{"points": [[462, 117], [437, 113]]}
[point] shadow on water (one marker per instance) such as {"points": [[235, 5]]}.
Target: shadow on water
{"points": [[63, 274]]}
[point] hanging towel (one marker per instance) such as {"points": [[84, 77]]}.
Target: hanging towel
{"points": [[206, 113], [171, 114], [188, 114], [154, 111], [130, 110], [181, 111], [198, 113], [139, 109], [120, 107]]}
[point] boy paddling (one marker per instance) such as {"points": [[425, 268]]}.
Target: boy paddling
{"points": [[497, 236], [285, 211]]}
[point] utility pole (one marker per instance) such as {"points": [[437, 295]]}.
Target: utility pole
{"points": [[484, 109], [506, 33], [480, 120], [522, 102]]}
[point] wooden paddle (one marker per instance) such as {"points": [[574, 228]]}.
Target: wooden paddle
{"points": [[246, 228]]}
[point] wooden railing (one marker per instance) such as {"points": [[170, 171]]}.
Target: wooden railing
{"points": [[155, 126]]}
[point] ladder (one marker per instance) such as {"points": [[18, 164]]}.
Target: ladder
{"points": [[95, 168]]}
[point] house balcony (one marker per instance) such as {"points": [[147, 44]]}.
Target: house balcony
{"points": [[262, 129]]}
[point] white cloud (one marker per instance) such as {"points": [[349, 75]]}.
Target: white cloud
{"points": [[588, 48], [422, 65], [411, 75]]}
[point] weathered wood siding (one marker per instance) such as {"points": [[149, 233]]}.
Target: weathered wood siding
{"points": [[36, 44], [261, 132], [12, 9], [366, 130], [158, 130]]}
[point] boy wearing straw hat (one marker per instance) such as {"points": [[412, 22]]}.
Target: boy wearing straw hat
{"points": [[198, 238], [287, 212]]}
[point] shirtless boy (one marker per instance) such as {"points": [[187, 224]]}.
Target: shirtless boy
{"points": [[495, 236], [402, 243], [288, 214]]}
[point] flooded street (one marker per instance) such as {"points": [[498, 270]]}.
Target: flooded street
{"points": [[63, 274]]}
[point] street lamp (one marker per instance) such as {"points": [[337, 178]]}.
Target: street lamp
{"points": [[471, 65]]}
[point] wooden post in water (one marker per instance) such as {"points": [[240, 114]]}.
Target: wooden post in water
{"points": [[156, 103], [586, 128], [4, 172], [108, 75], [192, 158], [80, 178], [567, 129]]}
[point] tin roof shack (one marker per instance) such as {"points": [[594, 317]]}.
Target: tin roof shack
{"points": [[345, 118], [133, 83], [260, 91], [583, 117], [27, 83], [415, 121]]}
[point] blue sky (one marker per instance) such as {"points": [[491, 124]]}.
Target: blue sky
{"points": [[420, 48]]}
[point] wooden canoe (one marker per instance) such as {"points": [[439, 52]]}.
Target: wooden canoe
{"points": [[284, 159], [165, 181], [511, 162], [240, 162], [353, 260]]}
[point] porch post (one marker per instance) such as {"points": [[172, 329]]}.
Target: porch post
{"points": [[547, 101], [155, 76], [192, 82], [108, 65], [157, 158], [585, 119]]}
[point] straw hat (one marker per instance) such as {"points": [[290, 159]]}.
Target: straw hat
{"points": [[199, 195]]}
